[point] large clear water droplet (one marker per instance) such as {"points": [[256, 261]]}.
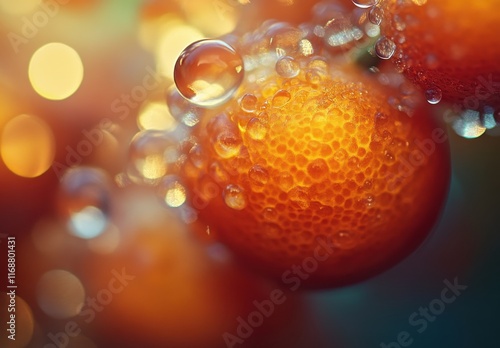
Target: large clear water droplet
{"points": [[208, 72]]}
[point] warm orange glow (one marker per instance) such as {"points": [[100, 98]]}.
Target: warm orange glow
{"points": [[27, 146]]}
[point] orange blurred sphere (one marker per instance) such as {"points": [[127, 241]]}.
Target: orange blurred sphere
{"points": [[448, 48]]}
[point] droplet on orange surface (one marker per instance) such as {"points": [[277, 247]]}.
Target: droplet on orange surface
{"points": [[208, 72]]}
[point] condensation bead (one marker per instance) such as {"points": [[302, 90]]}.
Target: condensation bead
{"points": [[208, 72], [341, 31], [234, 197], [375, 15], [281, 98], [258, 175], [182, 110], [365, 3], [256, 129], [287, 67], [151, 153], [385, 48], [284, 39], [172, 191], [433, 95], [248, 103]]}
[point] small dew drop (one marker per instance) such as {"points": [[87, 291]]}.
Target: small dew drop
{"points": [[208, 72], [285, 181], [385, 48], [248, 103], [287, 67], [256, 129], [365, 3], [269, 214], [151, 154], [300, 197], [234, 196], [344, 239], [399, 24], [182, 110], [227, 144], [433, 95], [258, 175], [375, 15], [281, 98], [172, 191]]}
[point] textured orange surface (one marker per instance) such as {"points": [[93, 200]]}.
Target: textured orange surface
{"points": [[330, 160], [449, 44]]}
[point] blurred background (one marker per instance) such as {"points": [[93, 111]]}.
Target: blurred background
{"points": [[102, 262]]}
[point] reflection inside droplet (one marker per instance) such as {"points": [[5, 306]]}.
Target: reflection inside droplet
{"points": [[208, 72]]}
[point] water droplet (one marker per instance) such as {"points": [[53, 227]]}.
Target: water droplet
{"points": [[85, 200], [234, 196], [171, 191], [365, 3], [284, 39], [208, 72], [197, 156], [376, 15], [399, 24], [270, 214], [248, 103], [150, 154], [227, 144], [341, 31], [469, 125], [433, 95], [218, 173], [258, 175], [344, 239], [256, 129], [285, 181], [488, 118], [287, 67], [300, 197], [313, 77], [281, 98], [182, 110], [385, 48]]}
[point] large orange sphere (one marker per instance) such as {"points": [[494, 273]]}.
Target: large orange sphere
{"points": [[319, 178]]}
